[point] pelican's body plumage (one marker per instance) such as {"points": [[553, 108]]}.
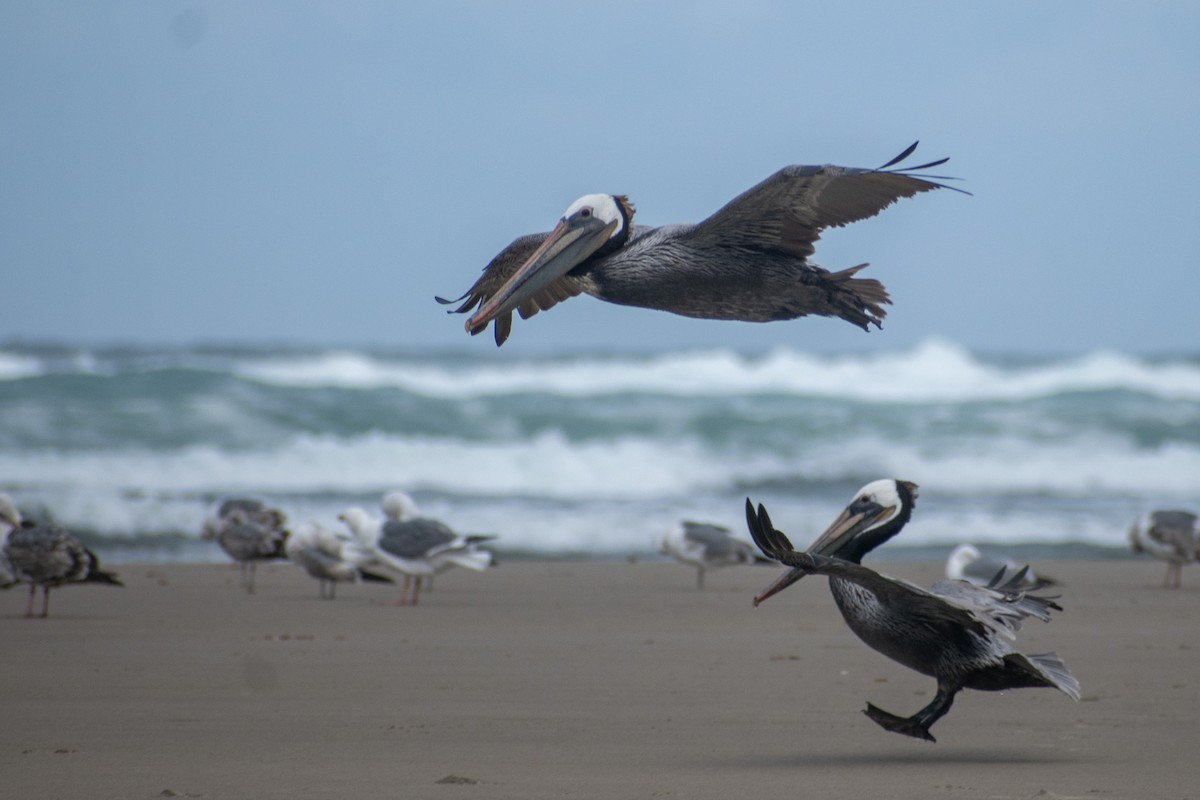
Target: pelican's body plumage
{"points": [[957, 632], [748, 261]]}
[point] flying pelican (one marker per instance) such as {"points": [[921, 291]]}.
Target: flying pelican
{"points": [[248, 531], [332, 557], [958, 633], [704, 545], [966, 563], [416, 548], [48, 556], [748, 261], [1171, 535]]}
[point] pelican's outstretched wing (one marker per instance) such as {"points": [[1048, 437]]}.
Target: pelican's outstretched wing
{"points": [[499, 270], [788, 211]]}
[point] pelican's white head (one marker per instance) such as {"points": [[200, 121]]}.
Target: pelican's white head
{"points": [[595, 224], [884, 493], [606, 208]]}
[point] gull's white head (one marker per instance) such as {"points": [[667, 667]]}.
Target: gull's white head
{"points": [[399, 506], [957, 563], [8, 511]]}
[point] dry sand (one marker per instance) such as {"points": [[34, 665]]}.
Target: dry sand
{"points": [[547, 680]]}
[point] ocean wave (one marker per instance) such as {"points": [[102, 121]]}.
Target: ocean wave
{"points": [[549, 465], [936, 370], [14, 367]]}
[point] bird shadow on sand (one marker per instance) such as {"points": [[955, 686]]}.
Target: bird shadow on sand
{"points": [[920, 753]]}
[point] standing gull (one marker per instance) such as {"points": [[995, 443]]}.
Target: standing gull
{"points": [[957, 632], [1172, 535], [705, 546], [46, 556], [10, 520], [966, 563], [248, 531], [415, 548], [332, 557], [748, 261]]}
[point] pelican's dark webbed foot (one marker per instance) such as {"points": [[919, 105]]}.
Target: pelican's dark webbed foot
{"points": [[909, 726], [918, 724]]}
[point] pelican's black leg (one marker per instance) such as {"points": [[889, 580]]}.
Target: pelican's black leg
{"points": [[918, 724]]}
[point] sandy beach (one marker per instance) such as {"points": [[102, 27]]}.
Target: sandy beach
{"points": [[547, 680]]}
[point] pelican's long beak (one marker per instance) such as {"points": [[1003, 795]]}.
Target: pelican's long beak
{"points": [[855, 518], [573, 239], [787, 579]]}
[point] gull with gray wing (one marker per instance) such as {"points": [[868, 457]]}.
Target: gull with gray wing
{"points": [[416, 548], [44, 555], [1170, 534], [706, 546]]}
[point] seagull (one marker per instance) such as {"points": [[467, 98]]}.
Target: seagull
{"points": [[249, 532], [749, 261], [966, 563], [1171, 535], [957, 632], [704, 545], [415, 548], [44, 555], [399, 506], [10, 520], [332, 557]]}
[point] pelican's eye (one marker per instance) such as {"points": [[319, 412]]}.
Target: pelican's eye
{"points": [[585, 212]]}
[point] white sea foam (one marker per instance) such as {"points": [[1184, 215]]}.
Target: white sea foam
{"points": [[936, 370], [116, 490], [13, 366]]}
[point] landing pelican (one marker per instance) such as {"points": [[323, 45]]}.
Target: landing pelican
{"points": [[748, 261], [957, 632]]}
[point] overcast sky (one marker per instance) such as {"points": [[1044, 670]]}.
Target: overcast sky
{"points": [[313, 173]]}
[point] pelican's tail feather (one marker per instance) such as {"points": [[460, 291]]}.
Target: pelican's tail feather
{"points": [[859, 301], [1056, 672]]}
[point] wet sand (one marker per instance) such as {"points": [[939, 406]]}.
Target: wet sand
{"points": [[550, 680]]}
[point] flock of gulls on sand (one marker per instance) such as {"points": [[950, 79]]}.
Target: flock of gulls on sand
{"points": [[401, 544], [747, 261]]}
